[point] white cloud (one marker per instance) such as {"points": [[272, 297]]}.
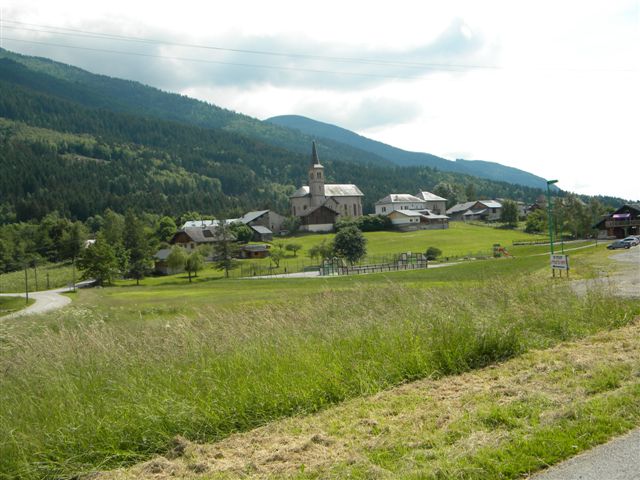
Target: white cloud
{"points": [[563, 101]]}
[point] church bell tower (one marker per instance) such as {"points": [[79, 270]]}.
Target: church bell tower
{"points": [[316, 179]]}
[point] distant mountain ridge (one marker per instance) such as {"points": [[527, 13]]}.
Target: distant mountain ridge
{"points": [[478, 168]]}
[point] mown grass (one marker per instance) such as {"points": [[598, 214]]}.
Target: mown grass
{"points": [[10, 305], [115, 386], [59, 275]]}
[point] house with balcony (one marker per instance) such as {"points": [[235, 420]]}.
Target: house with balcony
{"points": [[621, 223]]}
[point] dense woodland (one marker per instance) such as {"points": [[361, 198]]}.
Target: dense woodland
{"points": [[75, 147]]}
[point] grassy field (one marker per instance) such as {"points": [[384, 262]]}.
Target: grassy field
{"points": [[129, 368], [48, 276], [12, 304], [505, 421], [460, 240]]}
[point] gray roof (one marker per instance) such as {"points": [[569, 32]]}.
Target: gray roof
{"points": [[399, 198], [332, 190], [490, 203], [430, 214], [261, 230], [408, 213], [430, 197], [162, 254], [251, 216], [460, 207], [207, 223], [201, 235], [470, 213]]}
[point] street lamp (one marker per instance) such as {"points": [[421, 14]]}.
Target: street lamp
{"points": [[549, 213]]}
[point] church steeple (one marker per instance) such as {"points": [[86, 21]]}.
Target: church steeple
{"points": [[316, 178], [314, 155]]}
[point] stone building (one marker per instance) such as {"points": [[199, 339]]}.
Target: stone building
{"points": [[319, 205]]}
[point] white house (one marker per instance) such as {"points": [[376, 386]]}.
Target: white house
{"points": [[433, 202], [399, 201], [409, 220]]}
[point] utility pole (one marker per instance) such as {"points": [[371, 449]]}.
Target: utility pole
{"points": [[550, 213], [26, 285]]}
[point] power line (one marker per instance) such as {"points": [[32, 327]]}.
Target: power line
{"points": [[366, 61], [215, 62]]}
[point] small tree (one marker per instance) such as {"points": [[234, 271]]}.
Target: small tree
{"points": [[136, 243], [509, 213], [536, 222], [98, 262], [177, 259], [321, 251], [276, 255], [432, 253], [194, 263], [293, 247], [350, 244], [242, 232], [291, 224], [166, 229], [225, 250]]}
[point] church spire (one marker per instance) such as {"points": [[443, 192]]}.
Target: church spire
{"points": [[314, 155]]}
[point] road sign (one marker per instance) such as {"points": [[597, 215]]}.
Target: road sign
{"points": [[559, 262]]}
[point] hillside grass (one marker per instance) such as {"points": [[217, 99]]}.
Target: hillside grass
{"points": [[127, 369], [59, 275], [10, 305], [505, 421]]}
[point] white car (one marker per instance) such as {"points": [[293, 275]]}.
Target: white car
{"points": [[632, 240]]}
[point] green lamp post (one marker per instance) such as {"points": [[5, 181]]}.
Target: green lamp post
{"points": [[550, 213]]}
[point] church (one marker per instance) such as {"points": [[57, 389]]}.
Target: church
{"points": [[319, 205]]}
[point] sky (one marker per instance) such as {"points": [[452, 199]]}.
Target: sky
{"points": [[550, 87]]}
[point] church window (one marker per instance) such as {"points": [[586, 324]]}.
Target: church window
{"points": [[318, 175], [355, 210], [294, 210]]}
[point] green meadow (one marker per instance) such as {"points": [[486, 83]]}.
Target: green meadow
{"points": [[128, 368]]}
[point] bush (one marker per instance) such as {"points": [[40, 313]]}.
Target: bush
{"points": [[432, 253]]}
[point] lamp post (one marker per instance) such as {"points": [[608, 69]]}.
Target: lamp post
{"points": [[549, 212]]}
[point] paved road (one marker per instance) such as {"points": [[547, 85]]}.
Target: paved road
{"points": [[44, 302], [617, 460]]}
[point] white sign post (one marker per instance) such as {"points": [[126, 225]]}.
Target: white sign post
{"points": [[559, 262]]}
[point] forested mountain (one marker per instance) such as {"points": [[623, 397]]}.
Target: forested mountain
{"points": [[78, 143], [479, 168]]}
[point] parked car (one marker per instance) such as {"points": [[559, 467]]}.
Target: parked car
{"points": [[632, 239], [618, 244]]}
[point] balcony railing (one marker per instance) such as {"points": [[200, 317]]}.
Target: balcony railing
{"points": [[623, 223]]}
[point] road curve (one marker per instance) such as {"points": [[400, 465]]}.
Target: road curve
{"points": [[45, 301]]}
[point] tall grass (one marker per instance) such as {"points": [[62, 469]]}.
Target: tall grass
{"points": [[87, 394]]}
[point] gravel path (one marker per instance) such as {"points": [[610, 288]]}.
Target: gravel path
{"points": [[625, 282], [45, 301]]}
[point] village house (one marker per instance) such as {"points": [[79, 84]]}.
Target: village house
{"points": [[319, 205], [399, 201], [264, 224], [410, 220], [484, 210], [621, 223], [409, 212], [433, 203]]}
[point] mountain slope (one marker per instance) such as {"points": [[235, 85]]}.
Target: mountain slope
{"points": [[79, 143], [114, 94], [479, 168]]}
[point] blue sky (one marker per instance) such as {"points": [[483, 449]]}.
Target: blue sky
{"points": [[549, 87]]}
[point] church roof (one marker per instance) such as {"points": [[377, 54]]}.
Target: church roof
{"points": [[314, 155], [331, 190]]}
